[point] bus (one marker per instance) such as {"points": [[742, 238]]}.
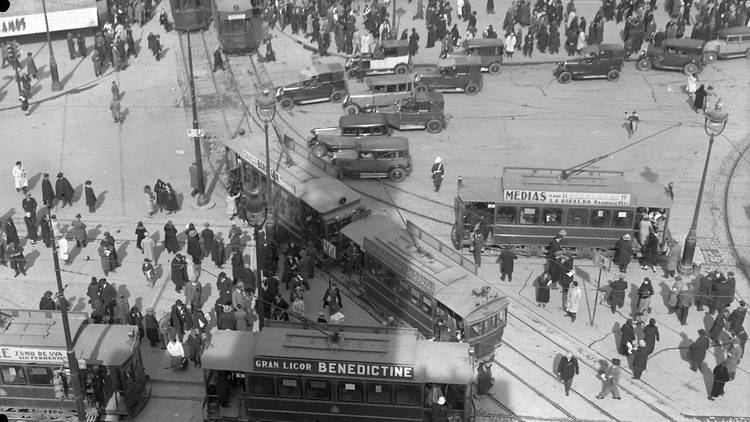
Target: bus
{"points": [[410, 274], [300, 372], [526, 207], [35, 379]]}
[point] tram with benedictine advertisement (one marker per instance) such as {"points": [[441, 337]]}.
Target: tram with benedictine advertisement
{"points": [[299, 372], [526, 207], [35, 380]]}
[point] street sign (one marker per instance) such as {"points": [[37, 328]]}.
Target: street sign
{"points": [[329, 248], [196, 133], [602, 261]]}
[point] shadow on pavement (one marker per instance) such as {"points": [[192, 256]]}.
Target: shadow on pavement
{"points": [[34, 180]]}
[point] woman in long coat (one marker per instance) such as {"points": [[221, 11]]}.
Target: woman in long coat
{"points": [[574, 300], [542, 283], [627, 335], [194, 244], [171, 206], [721, 376], [179, 272], [699, 104], [106, 251], [170, 238], [673, 258], [718, 326], [674, 294], [554, 40], [624, 252], [218, 253], [161, 194]]}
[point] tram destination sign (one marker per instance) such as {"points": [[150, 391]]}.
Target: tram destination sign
{"points": [[566, 198], [332, 368], [26, 354]]}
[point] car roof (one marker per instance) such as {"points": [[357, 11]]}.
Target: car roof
{"points": [[395, 43], [602, 47], [363, 119], [389, 79], [386, 143], [683, 43], [484, 42], [735, 30], [460, 61], [431, 96]]}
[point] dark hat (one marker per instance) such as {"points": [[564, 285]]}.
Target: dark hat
{"points": [[48, 293], [59, 174], [743, 303], [88, 182], [146, 259], [46, 175], [18, 163], [615, 361], [730, 274], [702, 331], [78, 215], [102, 280], [205, 224]]}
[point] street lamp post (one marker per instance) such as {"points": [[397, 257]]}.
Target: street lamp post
{"points": [[715, 122], [52, 62], [196, 139], [265, 108]]}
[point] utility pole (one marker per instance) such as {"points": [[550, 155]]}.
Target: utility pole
{"points": [[69, 350], [196, 139], [52, 62]]}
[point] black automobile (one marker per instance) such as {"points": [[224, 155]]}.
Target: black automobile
{"points": [[456, 74], [322, 82], [598, 61], [683, 54]]}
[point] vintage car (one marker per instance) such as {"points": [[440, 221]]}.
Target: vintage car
{"points": [[321, 82], [490, 50], [375, 157], [598, 61], [384, 91], [458, 74], [391, 56], [331, 139], [424, 111], [732, 42], [684, 54]]}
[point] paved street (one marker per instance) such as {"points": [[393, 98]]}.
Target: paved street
{"points": [[522, 117]]}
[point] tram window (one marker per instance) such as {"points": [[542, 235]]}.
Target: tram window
{"points": [[350, 391], [600, 218], [529, 215], [40, 376], [426, 305], [507, 215], [318, 390], [289, 388], [577, 216], [261, 386], [408, 394], [13, 375], [379, 393], [416, 297], [237, 25], [477, 329], [552, 216], [623, 218], [127, 376], [403, 288]]}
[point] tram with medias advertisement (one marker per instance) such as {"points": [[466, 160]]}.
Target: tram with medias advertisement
{"points": [[190, 15], [35, 379], [297, 372], [526, 207], [240, 25]]}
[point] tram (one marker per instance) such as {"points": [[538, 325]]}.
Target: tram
{"points": [[412, 275], [35, 379], [240, 25], [191, 15], [526, 207], [294, 372]]}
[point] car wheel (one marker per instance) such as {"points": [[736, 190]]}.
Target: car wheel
{"points": [[422, 88], [397, 174], [400, 69], [565, 77], [286, 103], [712, 56], [434, 126], [690, 69], [613, 75], [643, 64], [319, 150], [494, 68], [337, 96], [471, 89], [351, 109]]}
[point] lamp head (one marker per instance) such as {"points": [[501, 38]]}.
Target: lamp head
{"points": [[716, 120], [265, 106]]}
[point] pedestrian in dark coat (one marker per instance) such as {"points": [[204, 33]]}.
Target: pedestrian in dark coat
{"points": [[238, 264], [485, 380], [528, 44], [180, 319], [438, 172], [46, 231], [566, 276], [645, 291], [78, 232], [699, 103], [218, 254], [81, 41], [226, 320], [717, 329], [218, 60], [109, 260], [627, 338], [737, 318], [721, 377], [11, 234], [332, 299], [224, 288], [543, 283], [108, 296], [48, 194], [413, 42], [63, 190], [651, 335], [171, 205], [31, 68], [93, 293], [160, 190], [179, 272], [640, 359], [722, 295], [611, 380], [703, 295], [71, 46], [554, 40], [624, 252], [506, 260], [207, 236], [151, 326], [90, 196], [697, 350], [193, 244], [136, 318], [617, 292], [46, 303], [170, 238], [566, 370]]}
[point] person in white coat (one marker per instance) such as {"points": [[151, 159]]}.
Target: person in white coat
{"points": [[63, 249], [19, 174], [691, 86], [510, 42], [574, 299]]}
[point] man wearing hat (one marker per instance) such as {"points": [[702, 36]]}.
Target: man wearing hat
{"points": [[617, 292], [225, 320], [722, 294], [78, 231], [63, 190], [29, 206], [640, 359], [438, 172], [88, 193], [207, 236], [737, 318], [697, 350], [567, 369], [151, 326], [180, 319], [624, 252], [322, 318], [47, 303], [611, 381], [48, 194], [147, 268]]}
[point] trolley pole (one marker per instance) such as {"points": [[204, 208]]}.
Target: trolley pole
{"points": [[70, 351], [52, 62], [196, 139]]}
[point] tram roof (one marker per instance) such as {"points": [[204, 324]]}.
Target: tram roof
{"points": [[367, 226], [236, 350], [229, 5], [311, 184], [105, 344]]}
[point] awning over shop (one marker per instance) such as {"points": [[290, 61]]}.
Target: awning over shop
{"points": [[368, 226]]}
